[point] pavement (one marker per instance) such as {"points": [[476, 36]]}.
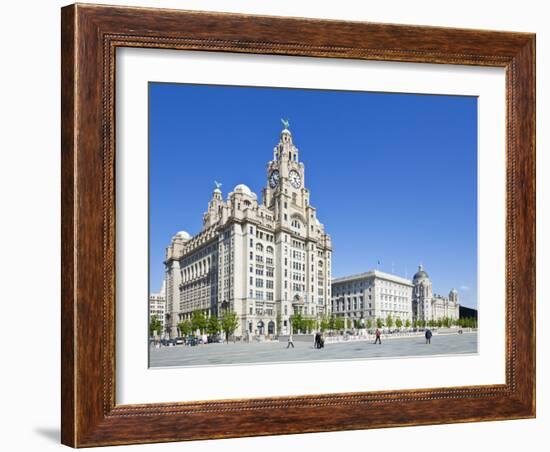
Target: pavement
{"points": [[276, 352]]}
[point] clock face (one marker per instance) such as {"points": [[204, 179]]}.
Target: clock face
{"points": [[274, 178], [295, 179]]}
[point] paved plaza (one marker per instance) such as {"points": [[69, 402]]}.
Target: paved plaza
{"points": [[271, 352]]}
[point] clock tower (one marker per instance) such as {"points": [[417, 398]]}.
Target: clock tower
{"points": [[285, 179]]}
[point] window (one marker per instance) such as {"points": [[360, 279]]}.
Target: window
{"points": [[269, 250], [259, 247]]}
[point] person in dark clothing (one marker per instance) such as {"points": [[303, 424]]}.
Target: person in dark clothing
{"points": [[428, 335], [317, 340], [378, 334]]}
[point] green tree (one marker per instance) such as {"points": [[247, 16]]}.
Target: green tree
{"points": [[369, 324], [407, 323], [198, 321], [229, 323], [398, 322], [185, 328], [379, 323], [439, 323], [213, 327], [325, 324], [154, 326], [278, 322], [389, 321], [297, 323], [339, 323], [332, 323], [415, 323]]}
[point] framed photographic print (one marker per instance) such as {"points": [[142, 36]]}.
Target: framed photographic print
{"points": [[280, 225]]}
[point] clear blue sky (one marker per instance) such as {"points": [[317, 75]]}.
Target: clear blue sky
{"points": [[393, 176]]}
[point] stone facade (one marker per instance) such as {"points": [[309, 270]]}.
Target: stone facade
{"points": [[375, 295], [429, 306], [157, 307], [372, 295], [265, 260]]}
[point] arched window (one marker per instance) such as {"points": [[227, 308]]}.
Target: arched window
{"points": [[259, 247], [269, 250]]}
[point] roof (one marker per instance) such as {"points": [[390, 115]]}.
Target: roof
{"points": [[373, 274]]}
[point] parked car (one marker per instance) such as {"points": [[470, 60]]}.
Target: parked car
{"points": [[215, 339], [179, 341], [192, 340]]}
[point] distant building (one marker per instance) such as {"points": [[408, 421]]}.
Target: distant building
{"points": [[428, 306], [157, 307], [372, 295], [375, 295], [264, 260]]}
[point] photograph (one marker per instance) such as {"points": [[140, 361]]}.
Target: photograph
{"points": [[296, 225]]}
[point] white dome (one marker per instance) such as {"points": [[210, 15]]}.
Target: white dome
{"points": [[242, 188], [183, 235]]}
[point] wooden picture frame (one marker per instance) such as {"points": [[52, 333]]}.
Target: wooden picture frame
{"points": [[90, 35]]}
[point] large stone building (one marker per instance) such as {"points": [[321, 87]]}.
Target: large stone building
{"points": [[375, 295], [264, 260], [429, 306], [157, 307], [372, 295]]}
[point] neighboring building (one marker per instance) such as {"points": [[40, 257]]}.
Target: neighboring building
{"points": [[372, 295], [467, 313], [263, 260], [375, 295], [157, 307], [428, 306]]}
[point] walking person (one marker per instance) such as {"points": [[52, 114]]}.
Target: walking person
{"points": [[378, 334], [290, 342], [428, 335], [317, 342]]}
